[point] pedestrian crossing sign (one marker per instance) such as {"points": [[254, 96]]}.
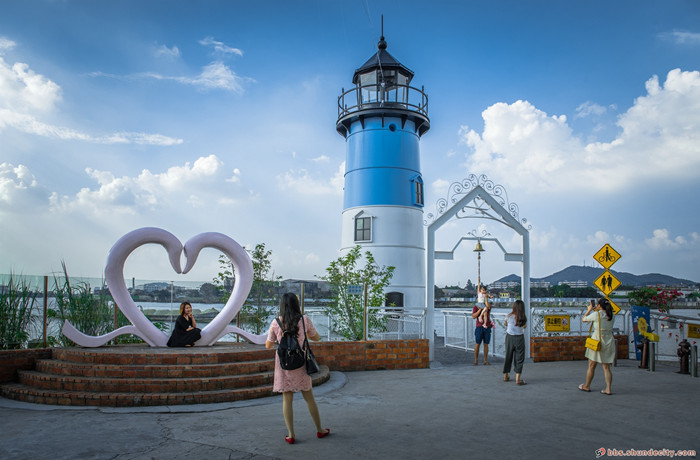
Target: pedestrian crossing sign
{"points": [[607, 282]]}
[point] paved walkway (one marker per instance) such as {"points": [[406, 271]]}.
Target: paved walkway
{"points": [[450, 411]]}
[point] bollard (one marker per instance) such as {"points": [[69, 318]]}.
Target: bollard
{"points": [[683, 353], [652, 356], [694, 361], [644, 346]]}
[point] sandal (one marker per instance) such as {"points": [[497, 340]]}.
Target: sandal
{"points": [[506, 378], [520, 382], [580, 387], [604, 393]]}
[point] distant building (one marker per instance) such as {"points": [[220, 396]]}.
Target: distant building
{"points": [[504, 284], [574, 284], [540, 284], [153, 287]]}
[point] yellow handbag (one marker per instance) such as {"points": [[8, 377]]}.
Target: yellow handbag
{"points": [[592, 343]]}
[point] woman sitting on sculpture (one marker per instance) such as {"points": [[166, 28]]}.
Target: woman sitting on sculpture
{"points": [[186, 332]]}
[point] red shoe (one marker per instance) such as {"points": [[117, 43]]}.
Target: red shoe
{"points": [[324, 434], [289, 440]]}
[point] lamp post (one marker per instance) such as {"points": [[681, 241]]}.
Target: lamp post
{"points": [[479, 249]]}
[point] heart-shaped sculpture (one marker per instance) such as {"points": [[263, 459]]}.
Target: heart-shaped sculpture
{"points": [[142, 326]]}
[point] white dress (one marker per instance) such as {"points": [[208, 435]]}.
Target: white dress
{"points": [[602, 330]]}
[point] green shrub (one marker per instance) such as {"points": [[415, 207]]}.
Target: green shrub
{"points": [[16, 306]]}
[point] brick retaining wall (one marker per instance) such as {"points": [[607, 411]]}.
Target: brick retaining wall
{"points": [[373, 354], [13, 360], [569, 348]]}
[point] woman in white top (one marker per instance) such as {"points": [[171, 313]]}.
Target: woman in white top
{"points": [[515, 342], [601, 315]]}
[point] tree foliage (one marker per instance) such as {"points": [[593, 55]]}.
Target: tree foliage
{"points": [[654, 297], [260, 303], [348, 308], [263, 289]]}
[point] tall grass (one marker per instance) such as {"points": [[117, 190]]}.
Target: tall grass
{"points": [[16, 305], [90, 313]]}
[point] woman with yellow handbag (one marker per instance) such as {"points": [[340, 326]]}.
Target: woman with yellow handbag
{"points": [[601, 318]]}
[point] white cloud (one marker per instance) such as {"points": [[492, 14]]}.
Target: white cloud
{"points": [[6, 44], [440, 187], [302, 183], [22, 90], [658, 138], [19, 189], [214, 76], [589, 108], [195, 184], [25, 96], [662, 239], [321, 159], [681, 37], [220, 46], [170, 53]]}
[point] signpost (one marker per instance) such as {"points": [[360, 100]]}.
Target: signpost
{"points": [[607, 282]]}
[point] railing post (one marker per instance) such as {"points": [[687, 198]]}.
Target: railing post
{"points": [[365, 310], [46, 305]]}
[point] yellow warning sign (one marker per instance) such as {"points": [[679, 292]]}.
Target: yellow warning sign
{"points": [[607, 282], [607, 256], [616, 309], [693, 331], [556, 323]]}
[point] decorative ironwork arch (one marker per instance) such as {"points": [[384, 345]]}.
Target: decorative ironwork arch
{"points": [[478, 208], [476, 197]]}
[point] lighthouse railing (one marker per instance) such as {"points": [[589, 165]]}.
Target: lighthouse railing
{"points": [[378, 96]]}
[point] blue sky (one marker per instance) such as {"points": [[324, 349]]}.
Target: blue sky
{"points": [[220, 116]]}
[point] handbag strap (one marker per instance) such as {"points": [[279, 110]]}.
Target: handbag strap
{"points": [[306, 341], [590, 329]]}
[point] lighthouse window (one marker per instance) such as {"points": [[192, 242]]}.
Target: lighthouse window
{"points": [[418, 191], [363, 229]]}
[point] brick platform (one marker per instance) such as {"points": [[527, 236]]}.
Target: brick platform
{"points": [[122, 376], [137, 375]]}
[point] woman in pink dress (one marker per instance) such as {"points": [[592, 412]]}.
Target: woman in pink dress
{"points": [[289, 382]]}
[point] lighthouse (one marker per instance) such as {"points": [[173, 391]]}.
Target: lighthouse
{"points": [[382, 119]]}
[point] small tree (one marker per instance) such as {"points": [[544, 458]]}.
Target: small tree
{"points": [[257, 312], [348, 308], [264, 283]]}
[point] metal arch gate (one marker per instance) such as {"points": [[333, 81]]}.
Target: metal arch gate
{"points": [[487, 197]]}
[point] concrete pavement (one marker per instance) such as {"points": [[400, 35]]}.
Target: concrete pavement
{"points": [[450, 411]]}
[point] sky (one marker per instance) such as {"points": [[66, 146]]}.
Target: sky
{"points": [[219, 116]]}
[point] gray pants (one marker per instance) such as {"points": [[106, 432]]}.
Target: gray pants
{"points": [[515, 351]]}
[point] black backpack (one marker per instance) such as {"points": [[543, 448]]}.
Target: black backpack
{"points": [[290, 353]]}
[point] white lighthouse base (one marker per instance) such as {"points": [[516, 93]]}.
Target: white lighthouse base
{"points": [[398, 240]]}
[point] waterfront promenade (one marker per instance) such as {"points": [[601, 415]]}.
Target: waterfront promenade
{"points": [[453, 410]]}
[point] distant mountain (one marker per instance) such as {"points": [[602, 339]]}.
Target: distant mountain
{"points": [[577, 272]]}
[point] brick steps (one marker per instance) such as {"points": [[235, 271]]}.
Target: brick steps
{"points": [[142, 376]]}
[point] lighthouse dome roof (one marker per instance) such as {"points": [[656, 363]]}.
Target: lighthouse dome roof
{"points": [[382, 60]]}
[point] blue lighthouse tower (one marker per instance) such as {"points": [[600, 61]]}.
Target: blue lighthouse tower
{"points": [[382, 120]]}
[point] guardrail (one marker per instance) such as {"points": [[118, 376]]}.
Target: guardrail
{"points": [[459, 329]]}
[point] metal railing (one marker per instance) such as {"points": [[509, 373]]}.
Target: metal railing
{"points": [[622, 322], [459, 326], [376, 96], [385, 324]]}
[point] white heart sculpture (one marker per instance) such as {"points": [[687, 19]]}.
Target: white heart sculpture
{"points": [[142, 326]]}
